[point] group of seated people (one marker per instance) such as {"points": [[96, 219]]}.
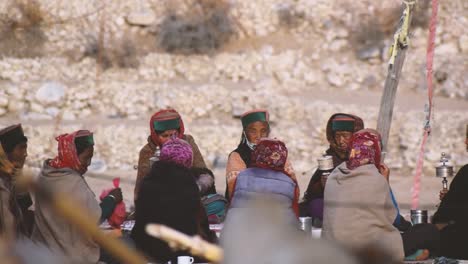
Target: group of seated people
{"points": [[354, 204]]}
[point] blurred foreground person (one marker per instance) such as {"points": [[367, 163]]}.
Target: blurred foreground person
{"points": [[15, 219], [169, 196], [452, 215], [266, 176], [262, 233], [359, 209], [64, 174]]}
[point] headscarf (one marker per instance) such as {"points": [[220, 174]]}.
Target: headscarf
{"points": [[67, 155], [12, 136], [365, 148], [165, 120], [245, 147], [272, 154], [341, 122], [177, 151]]}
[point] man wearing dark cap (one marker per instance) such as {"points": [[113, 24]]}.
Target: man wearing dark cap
{"points": [[15, 145]]}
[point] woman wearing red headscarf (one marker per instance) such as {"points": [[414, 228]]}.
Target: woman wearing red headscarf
{"points": [[163, 126], [359, 209], [64, 174], [266, 176]]}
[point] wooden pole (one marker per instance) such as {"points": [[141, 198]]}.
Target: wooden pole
{"points": [[397, 60], [387, 101]]}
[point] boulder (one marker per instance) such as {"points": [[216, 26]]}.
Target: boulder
{"points": [[50, 93]]}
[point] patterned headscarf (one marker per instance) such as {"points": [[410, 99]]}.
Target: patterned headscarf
{"points": [[177, 151], [366, 149], [270, 154], [165, 115], [67, 156]]}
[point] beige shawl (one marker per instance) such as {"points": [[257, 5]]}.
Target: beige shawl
{"points": [[54, 231], [359, 210]]}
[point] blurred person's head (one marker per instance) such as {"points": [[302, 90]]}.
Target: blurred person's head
{"points": [[15, 145]]}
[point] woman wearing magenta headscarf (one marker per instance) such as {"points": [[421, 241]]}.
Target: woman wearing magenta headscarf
{"points": [[64, 174], [164, 125], [359, 208], [266, 176]]}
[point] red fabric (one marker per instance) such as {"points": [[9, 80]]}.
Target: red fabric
{"points": [[365, 149], [119, 214], [166, 114], [272, 154], [67, 156]]}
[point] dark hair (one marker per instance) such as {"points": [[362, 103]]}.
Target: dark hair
{"points": [[12, 136], [8, 147]]}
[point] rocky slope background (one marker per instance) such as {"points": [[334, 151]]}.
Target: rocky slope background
{"points": [[108, 65]]}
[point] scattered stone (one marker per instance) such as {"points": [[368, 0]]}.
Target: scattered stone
{"points": [[3, 100], [97, 166], [368, 53], [446, 49], [50, 93], [334, 79], [142, 18]]}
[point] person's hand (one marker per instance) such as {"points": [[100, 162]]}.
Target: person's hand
{"points": [[385, 171], [442, 194], [117, 194]]}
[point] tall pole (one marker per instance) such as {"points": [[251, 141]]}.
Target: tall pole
{"points": [[397, 59]]}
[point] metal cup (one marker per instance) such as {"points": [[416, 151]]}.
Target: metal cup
{"points": [[305, 224], [325, 163], [419, 217]]}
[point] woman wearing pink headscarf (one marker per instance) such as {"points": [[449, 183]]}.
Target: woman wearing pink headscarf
{"points": [[359, 209]]}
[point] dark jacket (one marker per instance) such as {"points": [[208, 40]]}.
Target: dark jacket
{"points": [[168, 196], [453, 210]]}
